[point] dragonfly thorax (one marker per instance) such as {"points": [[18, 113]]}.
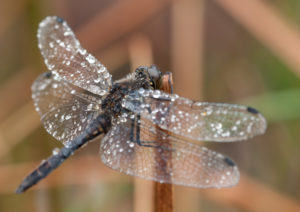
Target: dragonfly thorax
{"points": [[143, 77], [151, 77]]}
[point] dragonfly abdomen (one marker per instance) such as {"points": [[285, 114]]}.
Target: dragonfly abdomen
{"points": [[100, 125], [45, 168]]}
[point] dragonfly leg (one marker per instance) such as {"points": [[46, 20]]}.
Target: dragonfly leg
{"points": [[135, 125]]}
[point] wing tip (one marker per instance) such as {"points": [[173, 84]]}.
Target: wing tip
{"points": [[229, 162], [262, 120], [49, 20], [252, 110], [263, 124], [59, 19]]}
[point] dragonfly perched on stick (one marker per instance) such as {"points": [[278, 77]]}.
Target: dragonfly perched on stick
{"points": [[78, 102]]}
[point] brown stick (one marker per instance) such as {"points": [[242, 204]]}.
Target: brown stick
{"points": [[126, 16], [163, 193], [140, 52]]}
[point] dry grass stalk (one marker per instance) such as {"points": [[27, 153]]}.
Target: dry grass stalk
{"points": [[163, 193]]}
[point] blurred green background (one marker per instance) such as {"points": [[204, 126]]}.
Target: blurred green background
{"points": [[244, 52]]}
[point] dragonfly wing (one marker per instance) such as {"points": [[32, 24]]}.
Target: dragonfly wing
{"points": [[199, 121], [64, 108], [65, 57], [164, 158]]}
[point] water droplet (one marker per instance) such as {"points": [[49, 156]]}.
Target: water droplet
{"points": [[142, 91], [234, 128], [62, 44], [102, 92], [106, 75], [218, 126], [89, 107], [156, 94], [82, 51], [90, 59], [101, 70], [97, 80], [68, 117], [67, 33], [51, 44], [55, 151]]}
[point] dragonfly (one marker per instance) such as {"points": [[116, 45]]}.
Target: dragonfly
{"points": [[143, 131]]}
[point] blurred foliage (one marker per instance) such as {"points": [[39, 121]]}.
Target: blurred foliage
{"points": [[280, 101], [290, 9]]}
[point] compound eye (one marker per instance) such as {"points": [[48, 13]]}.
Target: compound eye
{"points": [[139, 74], [154, 73]]}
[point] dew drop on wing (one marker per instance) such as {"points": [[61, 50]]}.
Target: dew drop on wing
{"points": [[55, 151]]}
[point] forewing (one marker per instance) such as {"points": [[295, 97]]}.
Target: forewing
{"points": [[65, 57], [65, 109], [164, 158], [199, 121]]}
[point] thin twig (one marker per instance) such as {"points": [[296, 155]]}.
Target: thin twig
{"points": [[125, 15], [14, 128], [9, 13], [163, 193], [21, 81]]}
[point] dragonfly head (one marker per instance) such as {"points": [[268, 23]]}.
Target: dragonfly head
{"points": [[152, 75]]}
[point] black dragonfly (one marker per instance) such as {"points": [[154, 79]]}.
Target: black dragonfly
{"points": [[78, 102]]}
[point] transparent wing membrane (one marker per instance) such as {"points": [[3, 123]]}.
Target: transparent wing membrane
{"points": [[196, 120], [65, 57], [65, 109], [164, 158]]}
